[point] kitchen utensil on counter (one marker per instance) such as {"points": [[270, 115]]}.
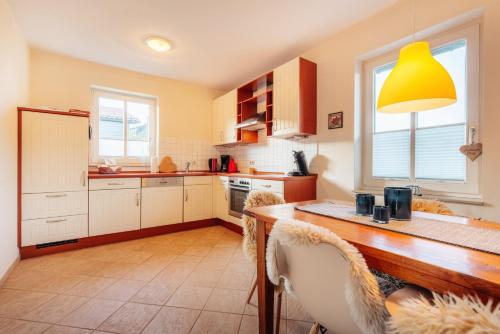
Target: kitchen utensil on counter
{"points": [[398, 199], [232, 166], [300, 163], [364, 204], [381, 214], [167, 165], [224, 163], [212, 165]]}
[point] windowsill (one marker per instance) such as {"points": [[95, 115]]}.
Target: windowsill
{"points": [[455, 198]]}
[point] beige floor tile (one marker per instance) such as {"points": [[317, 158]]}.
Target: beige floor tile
{"points": [[91, 286], [11, 326], [226, 300], [134, 257], [172, 320], [241, 266], [226, 252], [35, 280], [235, 280], [213, 263], [217, 323], [92, 314], [298, 327], [144, 272], [187, 260], [115, 270], [122, 290], [161, 260], [153, 294], [208, 242], [251, 308], [131, 318], [197, 250], [14, 304], [55, 309], [190, 297], [66, 330], [173, 275], [203, 278], [250, 325]]}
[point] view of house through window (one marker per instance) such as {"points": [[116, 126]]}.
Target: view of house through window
{"points": [[124, 125]]}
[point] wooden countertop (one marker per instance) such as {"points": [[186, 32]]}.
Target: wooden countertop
{"points": [[432, 264], [145, 174]]}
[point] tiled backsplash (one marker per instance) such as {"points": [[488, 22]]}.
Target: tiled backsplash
{"points": [[269, 155]]}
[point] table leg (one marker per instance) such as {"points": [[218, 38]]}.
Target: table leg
{"points": [[264, 287]]}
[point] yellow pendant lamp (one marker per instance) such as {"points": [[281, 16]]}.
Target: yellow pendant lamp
{"points": [[418, 82]]}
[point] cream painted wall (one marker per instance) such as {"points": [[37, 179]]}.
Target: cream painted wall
{"points": [[13, 92], [64, 82], [336, 59]]}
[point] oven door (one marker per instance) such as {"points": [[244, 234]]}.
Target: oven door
{"points": [[237, 198]]}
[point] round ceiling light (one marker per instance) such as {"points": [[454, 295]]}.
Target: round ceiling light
{"points": [[158, 44]]}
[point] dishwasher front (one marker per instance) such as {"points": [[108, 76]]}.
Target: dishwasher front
{"points": [[162, 201]]}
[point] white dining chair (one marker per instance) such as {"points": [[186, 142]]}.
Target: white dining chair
{"points": [[330, 278]]}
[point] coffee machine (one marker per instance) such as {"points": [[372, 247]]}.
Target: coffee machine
{"points": [[224, 163], [300, 164]]}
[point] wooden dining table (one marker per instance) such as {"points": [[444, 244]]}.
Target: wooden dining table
{"points": [[434, 265]]}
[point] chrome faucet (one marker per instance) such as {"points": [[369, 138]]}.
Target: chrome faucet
{"points": [[187, 167], [416, 190]]}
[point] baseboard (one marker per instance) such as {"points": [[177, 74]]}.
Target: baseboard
{"points": [[9, 271], [230, 226], [33, 251]]}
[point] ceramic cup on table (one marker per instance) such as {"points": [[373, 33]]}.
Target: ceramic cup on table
{"points": [[381, 214], [398, 199], [364, 204]]}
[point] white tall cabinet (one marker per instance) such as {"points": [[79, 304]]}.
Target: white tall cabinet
{"points": [[54, 167], [224, 119]]}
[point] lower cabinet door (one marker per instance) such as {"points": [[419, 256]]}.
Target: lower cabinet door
{"points": [[41, 231], [161, 206], [197, 202], [112, 211]]}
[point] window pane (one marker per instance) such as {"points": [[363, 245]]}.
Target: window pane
{"points": [[391, 154], [454, 58], [437, 154], [111, 143], [138, 129], [387, 122]]}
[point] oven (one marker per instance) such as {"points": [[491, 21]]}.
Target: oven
{"points": [[238, 192]]}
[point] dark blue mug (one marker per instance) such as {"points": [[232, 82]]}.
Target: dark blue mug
{"points": [[398, 199], [364, 204], [381, 214]]}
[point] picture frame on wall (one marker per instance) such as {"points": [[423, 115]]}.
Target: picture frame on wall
{"points": [[336, 120]]}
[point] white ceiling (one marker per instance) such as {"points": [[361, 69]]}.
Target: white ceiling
{"points": [[218, 43]]}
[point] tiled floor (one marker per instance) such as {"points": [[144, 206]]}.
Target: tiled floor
{"points": [[188, 282]]}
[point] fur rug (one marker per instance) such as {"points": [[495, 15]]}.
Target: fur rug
{"points": [[431, 206], [255, 199], [362, 291], [446, 315]]}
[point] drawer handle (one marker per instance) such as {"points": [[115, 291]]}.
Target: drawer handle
{"points": [[186, 194], [137, 201], [56, 195], [163, 182], [115, 183], [55, 221], [266, 185]]}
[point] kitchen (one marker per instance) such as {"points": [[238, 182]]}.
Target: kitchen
{"points": [[131, 150]]}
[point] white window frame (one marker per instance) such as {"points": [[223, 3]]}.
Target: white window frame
{"points": [[459, 191], [153, 101]]}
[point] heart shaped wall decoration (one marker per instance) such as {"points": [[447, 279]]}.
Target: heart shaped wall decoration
{"points": [[472, 151]]}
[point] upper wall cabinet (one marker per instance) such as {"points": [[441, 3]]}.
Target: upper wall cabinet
{"points": [[224, 119], [294, 99]]}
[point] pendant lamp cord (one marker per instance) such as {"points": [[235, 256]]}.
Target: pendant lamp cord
{"points": [[413, 20]]}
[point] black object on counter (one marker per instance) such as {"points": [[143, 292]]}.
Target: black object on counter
{"points": [[398, 199], [300, 162], [224, 163], [381, 214], [364, 204]]}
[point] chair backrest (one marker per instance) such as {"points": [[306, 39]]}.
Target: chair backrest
{"points": [[328, 276], [255, 199]]}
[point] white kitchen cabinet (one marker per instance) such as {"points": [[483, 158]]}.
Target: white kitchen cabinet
{"points": [[197, 202], [162, 202], [221, 197], [54, 204], [112, 211], [224, 119], [54, 153], [42, 231], [294, 99]]}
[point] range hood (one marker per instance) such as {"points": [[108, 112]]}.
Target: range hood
{"points": [[256, 122]]}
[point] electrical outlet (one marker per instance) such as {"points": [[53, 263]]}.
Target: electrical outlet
{"points": [[252, 162]]}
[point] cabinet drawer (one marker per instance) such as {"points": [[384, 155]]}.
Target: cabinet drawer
{"points": [[268, 185], [41, 231], [193, 180], [54, 204], [114, 183]]}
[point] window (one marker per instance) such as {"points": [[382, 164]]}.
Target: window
{"points": [[124, 127], [423, 148]]}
